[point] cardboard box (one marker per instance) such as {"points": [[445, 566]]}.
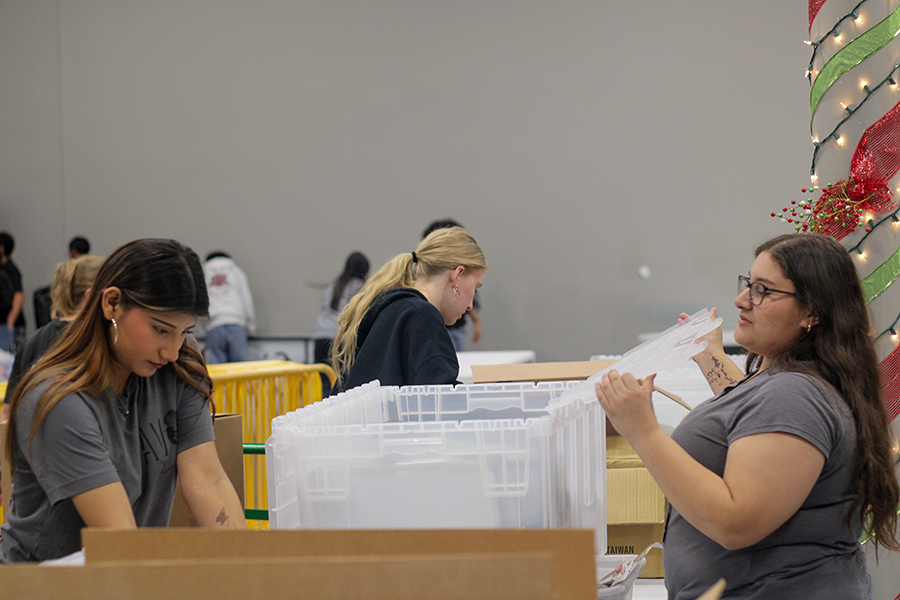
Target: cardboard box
{"points": [[472, 576], [635, 506], [230, 446], [550, 371], [569, 552]]}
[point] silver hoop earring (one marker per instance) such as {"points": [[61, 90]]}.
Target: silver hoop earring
{"points": [[115, 331]]}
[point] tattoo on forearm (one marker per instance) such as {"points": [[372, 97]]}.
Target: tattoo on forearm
{"points": [[717, 373], [222, 518]]}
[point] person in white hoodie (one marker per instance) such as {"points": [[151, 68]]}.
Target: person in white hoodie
{"points": [[231, 316]]}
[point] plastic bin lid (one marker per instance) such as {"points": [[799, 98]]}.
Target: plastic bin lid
{"points": [[669, 349]]}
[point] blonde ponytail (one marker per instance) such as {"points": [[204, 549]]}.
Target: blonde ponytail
{"points": [[441, 250], [70, 281]]}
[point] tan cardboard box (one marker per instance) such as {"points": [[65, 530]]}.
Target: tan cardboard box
{"points": [[230, 446], [550, 371], [569, 552], [470, 576], [635, 506]]}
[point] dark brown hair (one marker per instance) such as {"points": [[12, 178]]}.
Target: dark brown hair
{"points": [[840, 350], [155, 274]]}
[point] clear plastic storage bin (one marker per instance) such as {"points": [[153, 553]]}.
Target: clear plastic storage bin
{"points": [[470, 456]]}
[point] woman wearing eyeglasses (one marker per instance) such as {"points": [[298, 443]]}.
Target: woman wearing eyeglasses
{"points": [[772, 482]]}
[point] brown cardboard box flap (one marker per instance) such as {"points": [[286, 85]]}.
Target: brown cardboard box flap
{"points": [[638, 500], [635, 508], [469, 576], [633, 496], [572, 549], [550, 371], [230, 447]]}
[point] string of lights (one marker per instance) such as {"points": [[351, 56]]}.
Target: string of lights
{"points": [[889, 80], [892, 329], [853, 14], [871, 227]]}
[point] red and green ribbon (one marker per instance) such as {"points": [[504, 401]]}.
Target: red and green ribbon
{"points": [[854, 53]]}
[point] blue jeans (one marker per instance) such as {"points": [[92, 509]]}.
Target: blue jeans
{"points": [[6, 337], [226, 343], [458, 337]]}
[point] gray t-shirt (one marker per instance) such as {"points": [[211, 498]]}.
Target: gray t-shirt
{"points": [[86, 442], [814, 554]]}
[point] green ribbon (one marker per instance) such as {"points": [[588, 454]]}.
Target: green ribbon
{"points": [[882, 277], [853, 54]]}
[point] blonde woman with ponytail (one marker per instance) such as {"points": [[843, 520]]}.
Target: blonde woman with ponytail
{"points": [[71, 282], [394, 330], [118, 408]]}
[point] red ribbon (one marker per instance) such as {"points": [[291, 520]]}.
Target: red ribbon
{"points": [[875, 161], [814, 6], [890, 383]]}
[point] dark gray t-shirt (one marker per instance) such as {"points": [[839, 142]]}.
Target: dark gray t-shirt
{"points": [[814, 554], [86, 442]]}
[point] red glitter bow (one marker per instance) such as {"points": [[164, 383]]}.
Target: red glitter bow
{"points": [[875, 161]]}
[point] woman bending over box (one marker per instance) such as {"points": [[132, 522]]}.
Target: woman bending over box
{"points": [[103, 423]]}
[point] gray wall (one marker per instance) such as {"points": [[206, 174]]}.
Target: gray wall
{"points": [[576, 140]]}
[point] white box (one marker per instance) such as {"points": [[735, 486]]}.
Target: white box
{"points": [[435, 457]]}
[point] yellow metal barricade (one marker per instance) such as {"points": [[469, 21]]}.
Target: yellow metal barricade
{"points": [[260, 391]]}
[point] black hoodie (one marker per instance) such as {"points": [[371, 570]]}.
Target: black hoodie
{"points": [[402, 340]]}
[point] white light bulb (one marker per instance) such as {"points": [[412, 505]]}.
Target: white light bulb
{"points": [[840, 141]]}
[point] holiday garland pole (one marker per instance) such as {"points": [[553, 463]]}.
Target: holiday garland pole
{"points": [[853, 54], [854, 93], [854, 73]]}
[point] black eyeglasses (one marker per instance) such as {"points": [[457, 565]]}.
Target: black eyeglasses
{"points": [[758, 291]]}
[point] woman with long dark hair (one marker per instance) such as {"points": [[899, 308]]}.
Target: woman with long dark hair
{"points": [[336, 297], [103, 423], [772, 482]]}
